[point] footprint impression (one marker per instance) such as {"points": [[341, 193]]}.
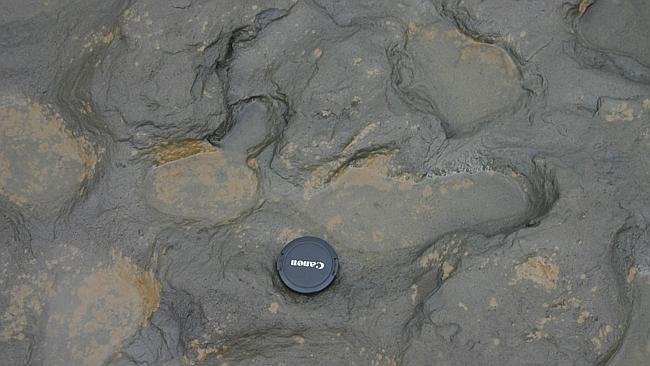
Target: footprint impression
{"points": [[43, 164]]}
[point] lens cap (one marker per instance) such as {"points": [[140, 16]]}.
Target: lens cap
{"points": [[307, 265]]}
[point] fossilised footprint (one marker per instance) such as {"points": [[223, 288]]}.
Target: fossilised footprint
{"points": [[621, 27], [635, 347], [364, 208], [198, 181], [41, 161], [465, 81], [90, 316]]}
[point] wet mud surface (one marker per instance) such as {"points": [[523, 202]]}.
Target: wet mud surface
{"points": [[480, 167]]}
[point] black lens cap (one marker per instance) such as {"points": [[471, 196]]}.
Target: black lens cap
{"points": [[307, 265]]}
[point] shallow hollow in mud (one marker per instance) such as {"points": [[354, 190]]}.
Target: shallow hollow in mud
{"points": [[197, 181], [363, 207], [41, 162]]}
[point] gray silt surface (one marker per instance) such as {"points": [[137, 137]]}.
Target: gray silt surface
{"points": [[480, 167]]}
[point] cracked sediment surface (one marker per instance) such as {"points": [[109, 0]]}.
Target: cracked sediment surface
{"points": [[480, 168]]}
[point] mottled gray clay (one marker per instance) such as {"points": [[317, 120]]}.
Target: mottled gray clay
{"points": [[481, 168]]}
